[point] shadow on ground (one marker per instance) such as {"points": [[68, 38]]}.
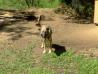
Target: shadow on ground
{"points": [[18, 30], [58, 49]]}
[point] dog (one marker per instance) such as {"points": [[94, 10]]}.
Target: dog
{"points": [[46, 35]]}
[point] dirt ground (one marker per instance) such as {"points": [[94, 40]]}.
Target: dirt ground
{"points": [[79, 37]]}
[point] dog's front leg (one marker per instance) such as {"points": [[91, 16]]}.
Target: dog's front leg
{"points": [[44, 51], [50, 45], [44, 47], [49, 50]]}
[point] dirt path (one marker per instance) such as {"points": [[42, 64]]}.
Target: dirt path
{"points": [[78, 36], [70, 35]]}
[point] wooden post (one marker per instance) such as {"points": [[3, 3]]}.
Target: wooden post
{"points": [[96, 12]]}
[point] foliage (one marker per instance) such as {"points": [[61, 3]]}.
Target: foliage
{"points": [[22, 4], [13, 4], [84, 8]]}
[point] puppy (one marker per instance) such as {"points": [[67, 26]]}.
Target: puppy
{"points": [[46, 35]]}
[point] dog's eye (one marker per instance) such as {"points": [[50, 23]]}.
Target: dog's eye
{"points": [[47, 28], [39, 29]]}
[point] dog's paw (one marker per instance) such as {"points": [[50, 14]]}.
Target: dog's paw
{"points": [[44, 51], [49, 51]]}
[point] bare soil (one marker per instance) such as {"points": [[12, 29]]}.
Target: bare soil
{"points": [[79, 37]]}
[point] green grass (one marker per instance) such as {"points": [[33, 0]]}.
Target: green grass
{"points": [[22, 61], [12, 4], [16, 61], [21, 4], [49, 4], [71, 63]]}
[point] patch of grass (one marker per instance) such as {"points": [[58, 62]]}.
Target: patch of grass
{"points": [[71, 63], [42, 71], [16, 61], [22, 61], [13, 4], [21, 4], [49, 3]]}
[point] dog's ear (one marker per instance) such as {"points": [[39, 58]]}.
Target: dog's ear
{"points": [[49, 29]]}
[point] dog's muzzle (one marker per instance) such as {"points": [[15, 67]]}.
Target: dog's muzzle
{"points": [[44, 34]]}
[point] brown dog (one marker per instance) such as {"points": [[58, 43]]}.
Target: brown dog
{"points": [[46, 34]]}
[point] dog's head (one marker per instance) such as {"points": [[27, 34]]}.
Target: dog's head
{"points": [[45, 31]]}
